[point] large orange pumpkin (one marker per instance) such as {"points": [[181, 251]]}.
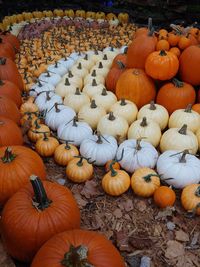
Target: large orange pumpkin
{"points": [[135, 85], [11, 39], [120, 57], [176, 95], [17, 163], [6, 50], [190, 65], [10, 133], [9, 109], [36, 213], [10, 90], [78, 248], [113, 76]]}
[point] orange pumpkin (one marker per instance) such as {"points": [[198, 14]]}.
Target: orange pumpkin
{"points": [[164, 197], [196, 107], [190, 198], [176, 51], [173, 39], [11, 91], [162, 45], [113, 76], [184, 42], [135, 85], [9, 109]]}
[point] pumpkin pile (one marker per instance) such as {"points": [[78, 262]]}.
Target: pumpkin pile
{"points": [[96, 92]]}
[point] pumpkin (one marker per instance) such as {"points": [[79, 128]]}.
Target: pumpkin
{"points": [[88, 79], [46, 145], [116, 165], [185, 116], [37, 130], [136, 86], [29, 106], [122, 58], [162, 45], [156, 113], [196, 107], [12, 39], [190, 198], [173, 39], [79, 170], [123, 17], [76, 100], [162, 65], [175, 51], [49, 208], [63, 89], [64, 153], [137, 154], [99, 149], [144, 182], [39, 87], [49, 77], [9, 109], [164, 197], [184, 42], [78, 70], [189, 65], [106, 99], [9, 71], [6, 50], [178, 169], [29, 118], [113, 76], [17, 163], [46, 100], [147, 129], [176, 95], [11, 91], [10, 133], [179, 139], [92, 89]]}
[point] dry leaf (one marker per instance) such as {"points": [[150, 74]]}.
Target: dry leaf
{"points": [[90, 189], [174, 249]]}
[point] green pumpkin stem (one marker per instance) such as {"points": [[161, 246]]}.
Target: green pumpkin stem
{"points": [[152, 105], [8, 156], [37, 125], [188, 108], [177, 83], [147, 177], [183, 130], [76, 257], [120, 65], [163, 53], [45, 138], [40, 200]]}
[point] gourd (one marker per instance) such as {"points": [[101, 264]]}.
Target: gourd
{"points": [[63, 89], [46, 100], [64, 153], [156, 113], [91, 113], [147, 129], [179, 139], [164, 196], [137, 154], [49, 208], [99, 149], [190, 198], [178, 169], [92, 89], [76, 100], [185, 116], [46, 146], [106, 99], [49, 77]]}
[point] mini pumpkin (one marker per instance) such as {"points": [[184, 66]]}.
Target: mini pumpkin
{"points": [[46, 145], [164, 197], [64, 153], [190, 198]]}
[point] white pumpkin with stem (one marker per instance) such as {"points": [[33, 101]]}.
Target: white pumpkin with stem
{"points": [[179, 139], [67, 62], [49, 77], [113, 125], [106, 62], [148, 129], [137, 154], [86, 62], [126, 109], [73, 79], [40, 87], [178, 169], [96, 56], [100, 69], [75, 131], [111, 52], [91, 113], [185, 116], [92, 89], [76, 100], [63, 89], [156, 113], [88, 79], [78, 70], [46, 100], [57, 68], [99, 149], [59, 114], [105, 99]]}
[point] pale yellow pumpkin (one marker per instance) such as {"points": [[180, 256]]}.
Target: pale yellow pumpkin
{"points": [[76, 100], [106, 99]]}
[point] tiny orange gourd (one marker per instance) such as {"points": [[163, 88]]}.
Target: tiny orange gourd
{"points": [[164, 197]]}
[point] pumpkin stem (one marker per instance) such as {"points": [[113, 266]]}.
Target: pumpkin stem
{"points": [[177, 83], [94, 74], [76, 257], [77, 91], [48, 74], [144, 122], [75, 120], [2, 61], [86, 57], [183, 129], [70, 75], [183, 159], [147, 177], [67, 146], [123, 102], [37, 125], [8, 156], [188, 108], [152, 105], [45, 138], [197, 192], [120, 64], [104, 92], [93, 104], [138, 145], [39, 83], [100, 65], [105, 57], [40, 199], [136, 72], [162, 53], [150, 24], [113, 171], [79, 66], [111, 116], [99, 139], [56, 107], [94, 83], [48, 96], [67, 82]]}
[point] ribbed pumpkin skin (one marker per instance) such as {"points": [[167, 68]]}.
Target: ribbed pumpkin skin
{"points": [[112, 77], [136, 86], [101, 252], [120, 57], [9, 109], [6, 49], [15, 174], [25, 229], [11, 91], [189, 65], [10, 133], [12, 39]]}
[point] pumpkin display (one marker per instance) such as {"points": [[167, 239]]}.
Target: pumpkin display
{"points": [[136, 86], [190, 198], [178, 169], [49, 208], [164, 197], [162, 65], [79, 169], [144, 182], [46, 145], [9, 109], [64, 153], [17, 163], [176, 95], [10, 133]]}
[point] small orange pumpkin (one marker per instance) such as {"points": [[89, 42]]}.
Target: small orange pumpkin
{"points": [[164, 197]]}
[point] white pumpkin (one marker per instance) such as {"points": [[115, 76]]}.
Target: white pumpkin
{"points": [[111, 52], [100, 69], [126, 109], [178, 169], [40, 87], [91, 76], [93, 89], [96, 56], [46, 100], [76, 55], [156, 113], [78, 70], [58, 115], [67, 63], [63, 89], [99, 149], [75, 131], [91, 113], [147, 129], [76, 100], [73, 79], [185, 116], [137, 154], [123, 49], [113, 125], [179, 139], [106, 62], [57, 68], [105, 99], [51, 78], [86, 62]]}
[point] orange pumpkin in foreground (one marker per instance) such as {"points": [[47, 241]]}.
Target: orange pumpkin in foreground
{"points": [[11, 91], [9, 109]]}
